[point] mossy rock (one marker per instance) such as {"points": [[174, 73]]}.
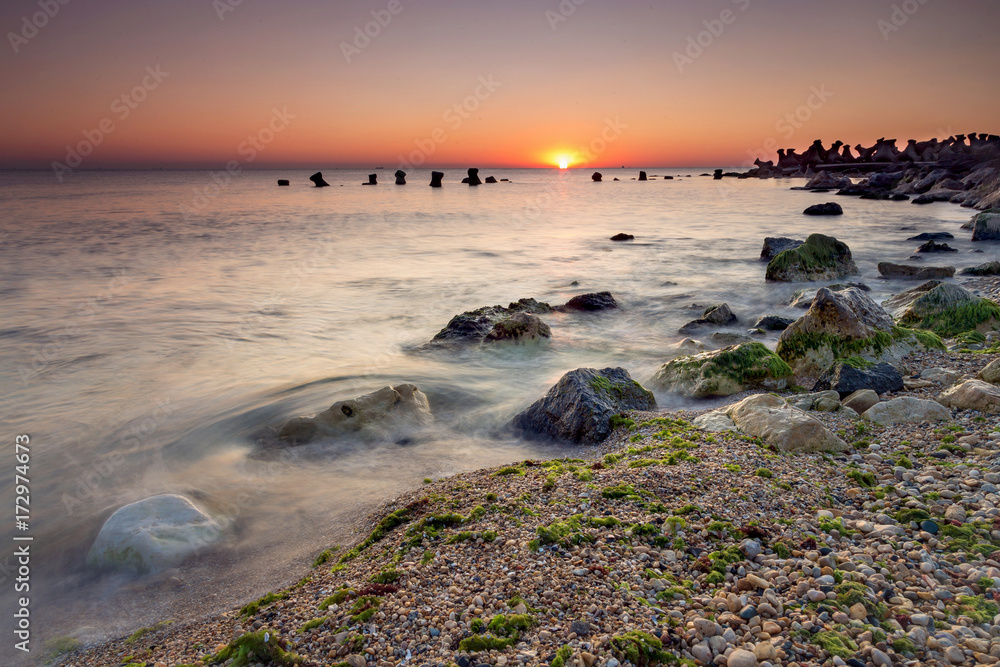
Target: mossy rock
{"points": [[944, 308], [724, 372], [819, 258]]}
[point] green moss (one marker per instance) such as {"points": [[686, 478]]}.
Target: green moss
{"points": [[479, 643], [747, 361], [255, 606], [315, 623], [383, 528], [864, 479], [325, 556], [764, 472], [511, 625], [562, 655], [904, 462], [640, 648], [904, 645], [337, 598], [957, 319], [978, 608], [857, 363], [835, 643], [142, 632], [620, 420], [714, 578], [256, 647], [566, 532], [908, 515], [620, 491], [686, 509], [364, 608], [61, 645], [817, 258], [508, 470], [386, 576]]}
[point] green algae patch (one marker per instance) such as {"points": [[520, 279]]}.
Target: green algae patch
{"points": [[480, 643], [640, 648], [255, 606], [511, 625], [256, 647], [835, 643], [978, 608], [724, 372], [960, 318], [821, 257]]}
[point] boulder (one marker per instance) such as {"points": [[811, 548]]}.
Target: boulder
{"points": [[491, 179], [773, 323], [282, 181], [776, 244], [906, 410], [400, 177], [591, 302], [986, 226], [714, 422], [597, 176], [972, 395], [723, 372], [642, 176], [519, 328], [944, 308], [942, 376], [931, 236], [472, 326], [318, 181], [934, 246], [787, 428], [829, 208], [907, 272], [436, 177], [718, 315], [819, 258], [861, 400], [847, 376], [152, 535], [473, 178], [686, 347], [372, 179], [843, 324], [380, 414], [622, 237], [821, 401], [578, 408], [991, 373], [984, 269]]}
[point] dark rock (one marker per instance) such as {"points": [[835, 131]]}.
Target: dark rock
{"points": [[773, 323], [717, 175], [372, 179], [905, 271], [283, 182], [931, 236], [597, 176], [986, 226], [748, 612], [668, 178], [717, 315], [986, 269], [491, 179], [473, 177], [317, 179], [929, 526], [474, 325], [579, 407], [591, 302], [400, 177], [899, 196], [934, 246], [642, 176], [829, 208], [622, 237], [436, 177], [931, 197], [519, 328], [846, 379], [581, 628], [775, 244]]}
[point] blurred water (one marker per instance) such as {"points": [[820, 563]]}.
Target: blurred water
{"points": [[153, 320]]}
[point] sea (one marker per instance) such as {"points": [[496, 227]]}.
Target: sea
{"points": [[154, 322]]}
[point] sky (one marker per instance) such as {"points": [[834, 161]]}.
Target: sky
{"points": [[450, 83]]}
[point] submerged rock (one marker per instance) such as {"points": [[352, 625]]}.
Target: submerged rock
{"points": [[378, 414], [984, 269], [986, 226], [847, 376], [152, 534], [906, 410], [591, 302], [436, 177], [400, 177], [579, 407], [473, 326], [723, 372], [773, 323], [819, 258], [775, 244], [622, 237], [519, 328], [934, 246], [283, 181], [787, 428], [718, 315], [905, 271], [931, 236], [944, 308], [829, 208], [318, 181], [597, 176]]}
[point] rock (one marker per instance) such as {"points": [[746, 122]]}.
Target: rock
{"points": [[379, 414], [954, 655], [717, 315], [931, 236], [372, 179], [723, 372], [751, 549], [819, 258], [985, 269], [986, 226], [597, 176], [581, 628], [642, 176], [881, 659], [934, 246], [473, 326], [436, 177], [355, 660], [318, 181], [728, 338], [906, 410], [943, 376], [907, 272], [400, 177], [685, 347], [591, 302], [789, 429], [473, 178], [577, 409], [773, 323], [955, 512], [847, 376], [991, 373], [972, 395], [152, 535], [823, 401], [776, 244], [843, 324], [714, 422], [827, 180], [282, 181], [829, 208], [943, 308], [741, 658], [929, 526], [491, 179], [861, 400], [622, 237], [519, 328]]}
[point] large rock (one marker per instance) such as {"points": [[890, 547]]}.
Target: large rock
{"points": [[379, 414], [714, 422], [723, 372], [972, 395], [844, 324], [776, 244], [152, 535], [907, 272], [474, 325], [519, 328], [591, 302], [986, 226], [984, 269], [846, 376], [991, 373], [829, 208], [861, 400], [777, 423], [819, 258], [578, 408], [773, 323], [906, 410], [944, 308], [718, 315]]}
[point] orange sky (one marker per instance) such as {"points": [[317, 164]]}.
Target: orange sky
{"points": [[449, 83]]}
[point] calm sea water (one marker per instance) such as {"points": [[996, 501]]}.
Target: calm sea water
{"points": [[153, 320]]}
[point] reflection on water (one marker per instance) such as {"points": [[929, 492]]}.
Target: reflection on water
{"points": [[141, 349]]}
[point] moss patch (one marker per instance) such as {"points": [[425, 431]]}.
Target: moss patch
{"points": [[256, 647]]}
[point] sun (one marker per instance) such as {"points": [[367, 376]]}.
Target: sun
{"points": [[563, 162]]}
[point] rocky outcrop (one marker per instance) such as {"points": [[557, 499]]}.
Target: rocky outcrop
{"points": [[907, 272], [318, 181], [827, 180], [844, 324], [829, 208], [473, 326], [590, 302], [718, 315], [787, 428], [473, 178], [986, 226], [819, 258], [984, 269], [622, 237], [400, 177], [846, 376], [436, 177], [152, 535], [578, 409], [723, 372], [944, 308], [906, 410], [972, 395], [378, 415], [776, 244], [519, 328]]}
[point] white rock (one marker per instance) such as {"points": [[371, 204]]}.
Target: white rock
{"points": [[906, 410]]}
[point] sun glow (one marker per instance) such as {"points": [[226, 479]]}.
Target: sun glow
{"points": [[563, 162]]}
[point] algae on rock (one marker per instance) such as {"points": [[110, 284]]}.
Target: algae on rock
{"points": [[819, 258], [724, 372]]}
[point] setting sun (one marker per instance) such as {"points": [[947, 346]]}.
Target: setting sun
{"points": [[563, 162]]}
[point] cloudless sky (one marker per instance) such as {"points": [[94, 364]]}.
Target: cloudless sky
{"points": [[513, 83]]}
